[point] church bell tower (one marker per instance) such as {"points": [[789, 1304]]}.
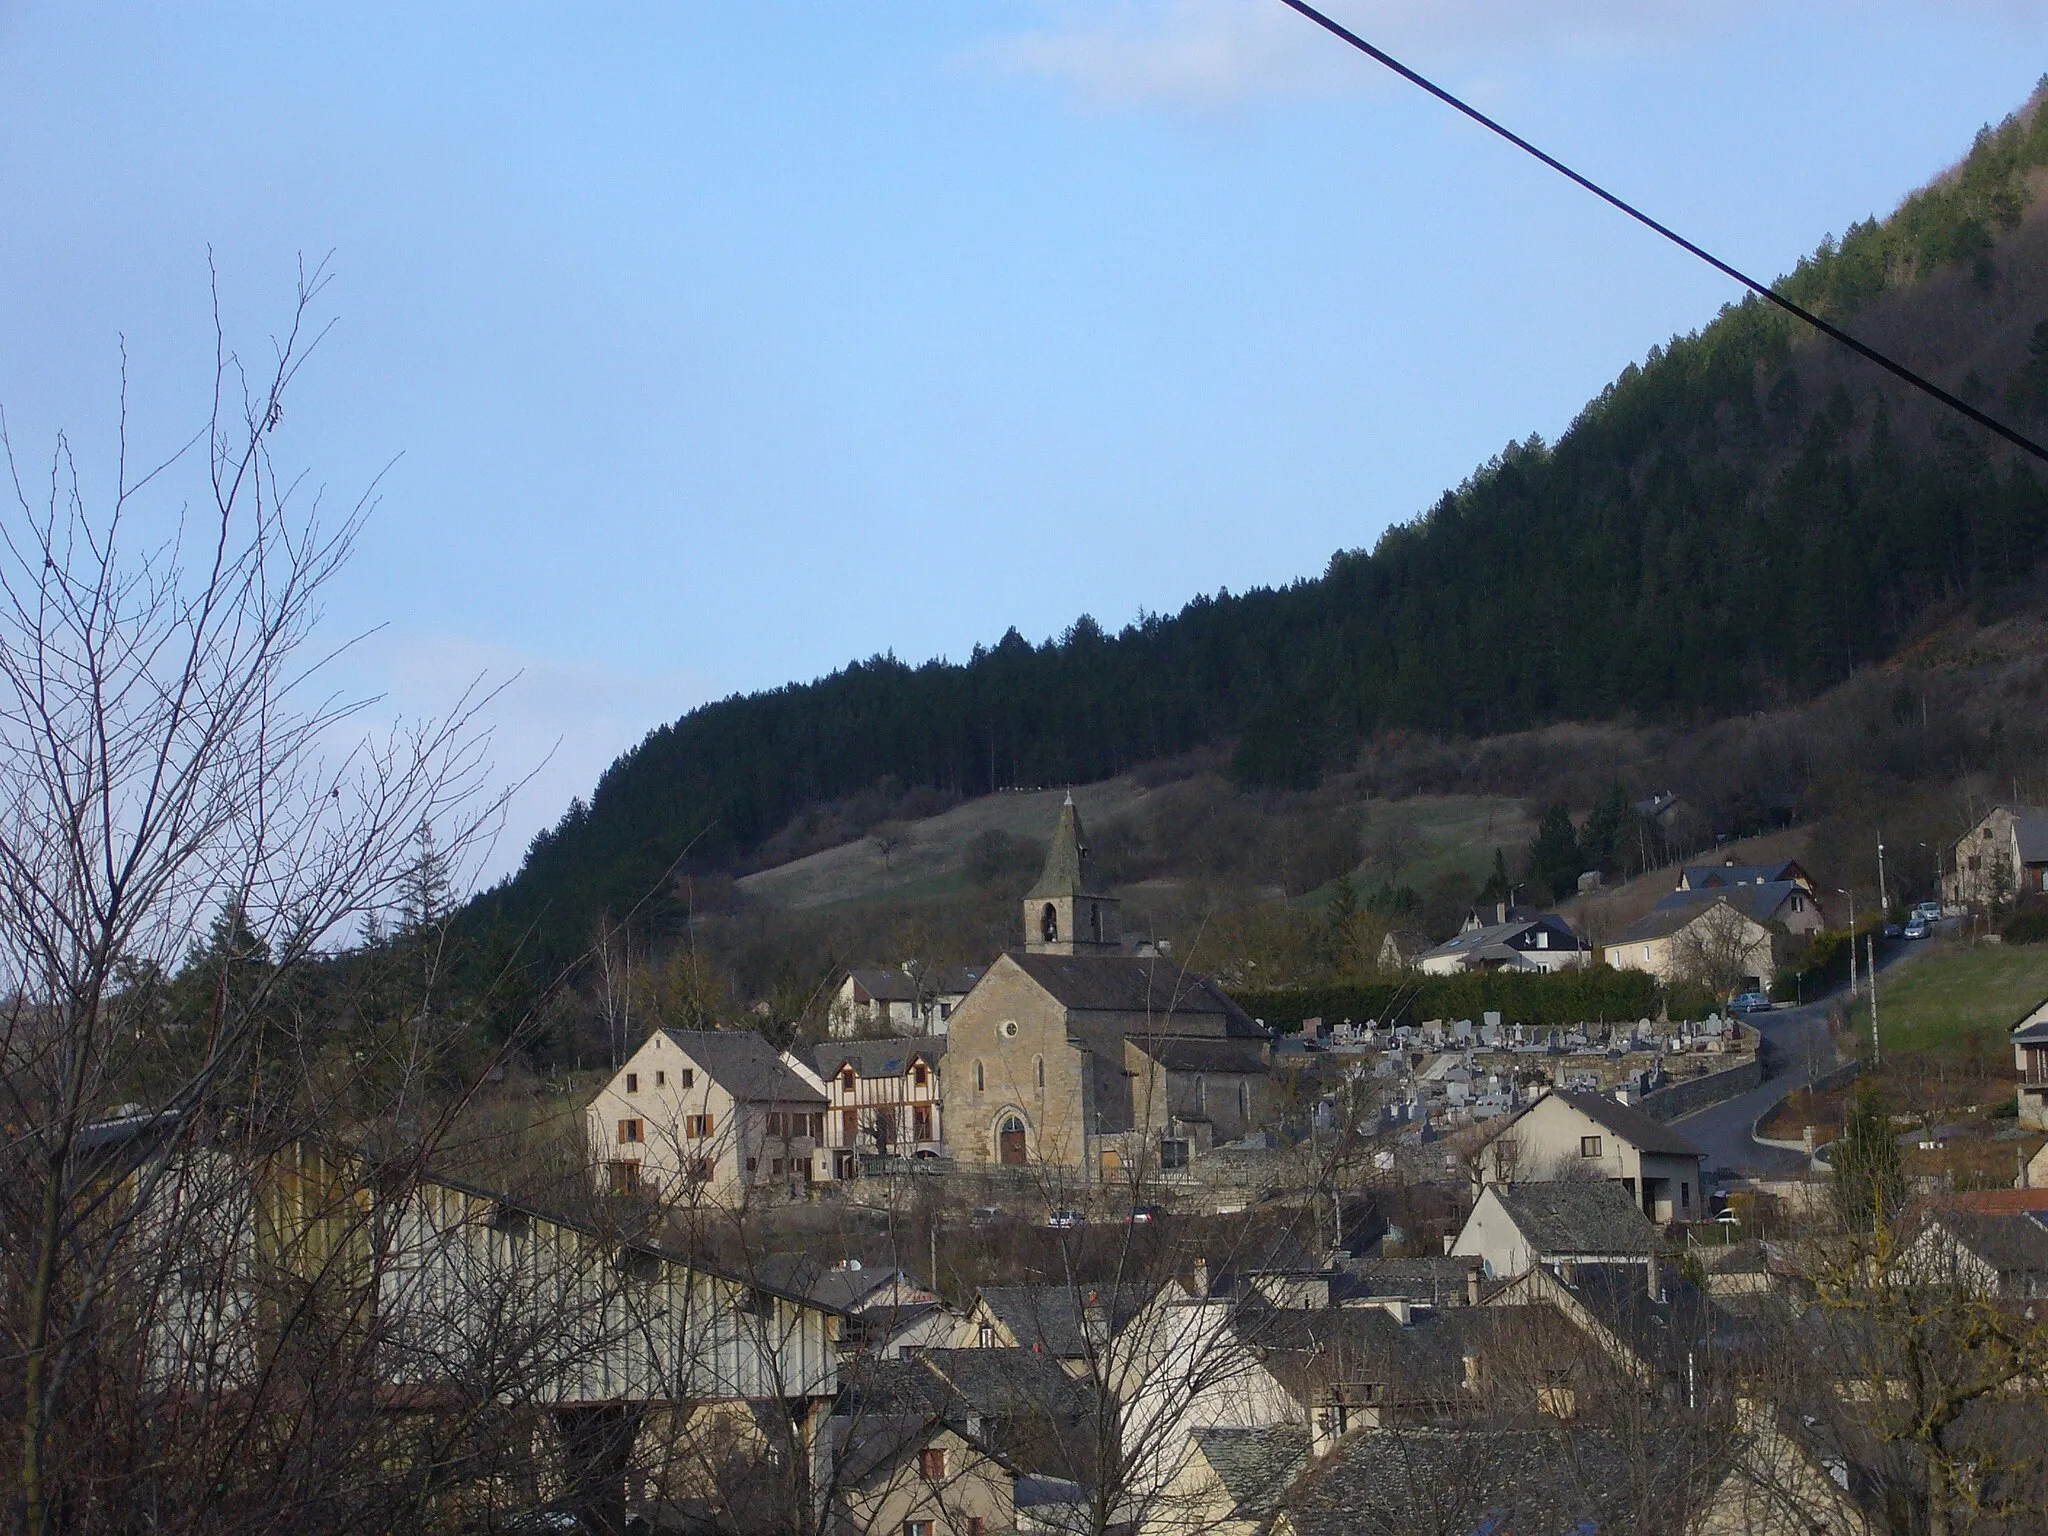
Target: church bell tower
{"points": [[1061, 915]]}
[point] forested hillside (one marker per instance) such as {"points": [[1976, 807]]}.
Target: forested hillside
{"points": [[1740, 521]]}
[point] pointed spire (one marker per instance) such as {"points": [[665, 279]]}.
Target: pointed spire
{"points": [[1066, 861]]}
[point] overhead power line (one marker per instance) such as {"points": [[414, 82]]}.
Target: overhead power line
{"points": [[1890, 365]]}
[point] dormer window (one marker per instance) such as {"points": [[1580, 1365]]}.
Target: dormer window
{"points": [[920, 1075], [846, 1079]]}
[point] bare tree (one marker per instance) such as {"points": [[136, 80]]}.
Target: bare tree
{"points": [[169, 753]]}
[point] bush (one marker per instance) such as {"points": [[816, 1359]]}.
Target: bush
{"points": [[2029, 925]]}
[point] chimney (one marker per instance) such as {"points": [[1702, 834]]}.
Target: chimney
{"points": [[1653, 1279], [1500, 909], [1472, 1281], [1201, 1277]]}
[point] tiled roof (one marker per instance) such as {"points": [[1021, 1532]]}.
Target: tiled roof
{"points": [[1578, 1217], [1999, 1202], [744, 1065], [1146, 984], [1180, 1054]]}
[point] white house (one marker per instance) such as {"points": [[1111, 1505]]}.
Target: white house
{"points": [[1545, 942], [1572, 1136], [2004, 856], [1514, 1228], [904, 1001], [706, 1116], [1722, 933]]}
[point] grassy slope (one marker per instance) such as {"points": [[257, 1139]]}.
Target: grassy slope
{"points": [[1936, 1003]]}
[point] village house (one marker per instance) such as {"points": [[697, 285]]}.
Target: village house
{"points": [[1997, 1254], [1514, 1228], [1575, 1136], [906, 1001], [1543, 942], [1714, 935], [2003, 857], [706, 1116], [1077, 1053], [884, 1098]]}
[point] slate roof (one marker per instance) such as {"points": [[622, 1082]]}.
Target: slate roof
{"points": [[1049, 1316], [1313, 1350], [1659, 1332], [1759, 903], [744, 1065], [2030, 835], [1579, 1217], [1438, 1280], [2032, 1029], [1180, 1054], [1066, 861], [885, 985], [2013, 1245], [843, 1290], [1700, 877], [1255, 1466], [1499, 936], [1020, 1404], [874, 1058], [1629, 1123], [1147, 984]]}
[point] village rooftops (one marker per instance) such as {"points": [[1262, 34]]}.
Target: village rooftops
{"points": [[1150, 985], [744, 1065], [1760, 903], [1579, 1218], [1255, 1466], [1050, 1318], [1701, 877]]}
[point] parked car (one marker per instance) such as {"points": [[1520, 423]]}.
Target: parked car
{"points": [[986, 1216], [1918, 929], [1894, 931], [1928, 912], [1750, 1002], [1065, 1218], [1140, 1213]]}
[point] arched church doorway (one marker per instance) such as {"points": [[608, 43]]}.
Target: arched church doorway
{"points": [[1010, 1140]]}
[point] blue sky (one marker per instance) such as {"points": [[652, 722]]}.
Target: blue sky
{"points": [[718, 345]]}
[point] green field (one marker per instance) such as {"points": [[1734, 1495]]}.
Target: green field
{"points": [[1938, 1002]]}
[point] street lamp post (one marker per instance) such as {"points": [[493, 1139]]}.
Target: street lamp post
{"points": [[1884, 903]]}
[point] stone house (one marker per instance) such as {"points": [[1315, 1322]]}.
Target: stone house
{"points": [[2003, 1255], [917, 1475], [1076, 1053], [2003, 857], [885, 1097], [1582, 1136], [705, 1116]]}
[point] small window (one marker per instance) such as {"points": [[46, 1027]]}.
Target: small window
{"points": [[687, 1077], [1684, 1195], [632, 1082], [1009, 1029], [1543, 938], [774, 1123], [980, 1079], [1039, 1062], [920, 1528], [945, 1012], [976, 1526], [985, 1336], [1173, 1153], [625, 1178], [1244, 1101], [696, 1127], [1201, 1094], [630, 1131], [931, 1462], [920, 1074], [703, 1169], [752, 1164], [1589, 1146], [775, 1168], [818, 1125], [846, 1080], [661, 1079]]}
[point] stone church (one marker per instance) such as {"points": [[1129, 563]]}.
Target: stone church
{"points": [[1078, 1052]]}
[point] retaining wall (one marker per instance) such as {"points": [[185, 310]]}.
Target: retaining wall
{"points": [[1699, 1092]]}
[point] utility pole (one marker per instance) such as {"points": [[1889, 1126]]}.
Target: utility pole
{"points": [[1884, 901], [1876, 1050], [1852, 940]]}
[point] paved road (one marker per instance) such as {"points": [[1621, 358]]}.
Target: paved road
{"points": [[1800, 1051]]}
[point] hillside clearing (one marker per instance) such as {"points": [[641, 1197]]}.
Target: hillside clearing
{"points": [[1952, 1001]]}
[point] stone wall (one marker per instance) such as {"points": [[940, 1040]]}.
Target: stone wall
{"points": [[1696, 1093]]}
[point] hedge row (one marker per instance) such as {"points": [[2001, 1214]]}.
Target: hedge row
{"points": [[1598, 995]]}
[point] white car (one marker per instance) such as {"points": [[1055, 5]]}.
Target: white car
{"points": [[1917, 928], [1928, 912]]}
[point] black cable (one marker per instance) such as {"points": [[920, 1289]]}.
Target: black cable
{"points": [[1761, 290]]}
